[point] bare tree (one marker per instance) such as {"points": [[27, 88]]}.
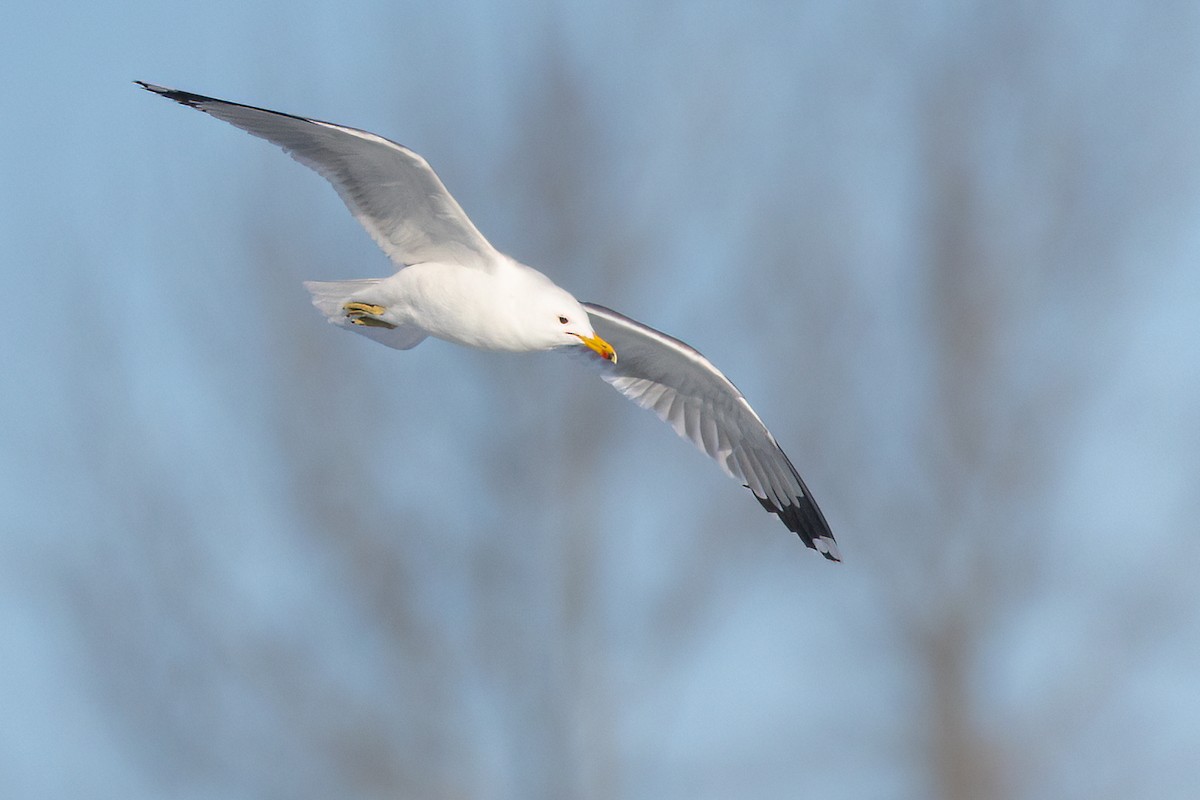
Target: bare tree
{"points": [[343, 570]]}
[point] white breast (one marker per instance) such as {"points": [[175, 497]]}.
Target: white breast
{"points": [[488, 309]]}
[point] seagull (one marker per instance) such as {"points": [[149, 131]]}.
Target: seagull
{"points": [[452, 284]]}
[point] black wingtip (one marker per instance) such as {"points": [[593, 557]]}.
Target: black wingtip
{"points": [[187, 98], [806, 521]]}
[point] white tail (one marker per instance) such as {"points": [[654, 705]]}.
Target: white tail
{"points": [[330, 296]]}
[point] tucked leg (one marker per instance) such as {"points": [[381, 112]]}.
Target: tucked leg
{"points": [[366, 314]]}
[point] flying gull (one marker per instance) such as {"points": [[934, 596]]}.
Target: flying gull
{"points": [[452, 284]]}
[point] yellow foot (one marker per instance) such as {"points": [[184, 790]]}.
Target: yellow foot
{"points": [[366, 314]]}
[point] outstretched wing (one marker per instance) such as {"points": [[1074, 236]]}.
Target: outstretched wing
{"points": [[683, 388], [389, 189]]}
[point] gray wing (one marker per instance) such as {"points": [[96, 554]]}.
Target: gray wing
{"points": [[389, 189], [683, 388]]}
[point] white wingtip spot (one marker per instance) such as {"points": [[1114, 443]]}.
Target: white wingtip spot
{"points": [[827, 547]]}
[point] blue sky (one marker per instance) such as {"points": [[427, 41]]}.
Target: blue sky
{"points": [[947, 251]]}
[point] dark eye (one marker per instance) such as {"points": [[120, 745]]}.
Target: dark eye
{"points": [[563, 320]]}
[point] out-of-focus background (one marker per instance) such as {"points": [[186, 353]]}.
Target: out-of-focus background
{"points": [[949, 250]]}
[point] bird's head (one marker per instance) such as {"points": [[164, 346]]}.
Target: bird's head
{"points": [[566, 323]]}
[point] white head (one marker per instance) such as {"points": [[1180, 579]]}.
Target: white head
{"points": [[558, 320]]}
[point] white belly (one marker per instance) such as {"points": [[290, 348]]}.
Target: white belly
{"points": [[464, 305]]}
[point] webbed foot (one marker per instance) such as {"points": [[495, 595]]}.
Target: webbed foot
{"points": [[366, 314]]}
